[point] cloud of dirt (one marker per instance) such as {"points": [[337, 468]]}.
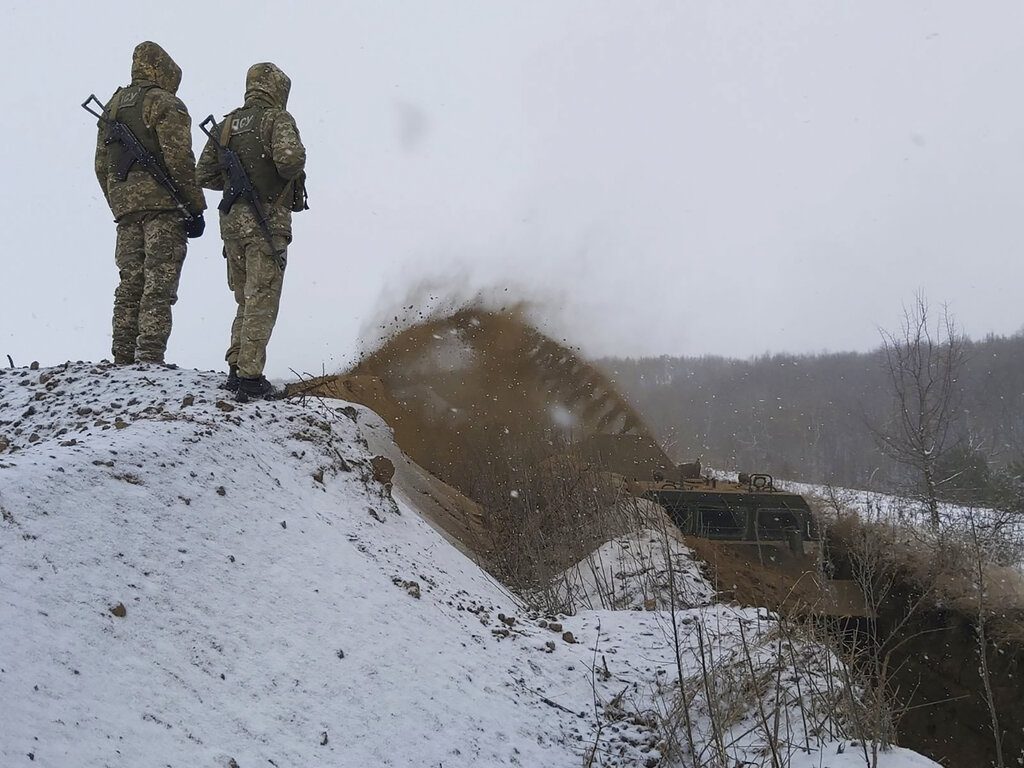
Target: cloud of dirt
{"points": [[485, 401], [468, 381], [444, 293]]}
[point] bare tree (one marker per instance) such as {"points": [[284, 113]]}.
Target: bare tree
{"points": [[924, 363]]}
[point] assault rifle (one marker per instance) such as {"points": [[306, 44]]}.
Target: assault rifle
{"points": [[133, 151], [239, 186]]}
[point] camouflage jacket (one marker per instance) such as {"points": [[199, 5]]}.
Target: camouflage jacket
{"points": [[165, 114], [268, 87]]}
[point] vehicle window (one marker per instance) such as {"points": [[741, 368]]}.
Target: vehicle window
{"points": [[721, 521], [776, 523]]}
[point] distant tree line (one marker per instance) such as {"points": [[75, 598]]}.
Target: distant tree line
{"points": [[815, 417]]}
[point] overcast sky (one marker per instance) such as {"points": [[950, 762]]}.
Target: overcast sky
{"points": [[665, 177]]}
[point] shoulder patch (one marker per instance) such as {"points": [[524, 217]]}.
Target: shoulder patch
{"points": [[243, 123], [130, 97]]}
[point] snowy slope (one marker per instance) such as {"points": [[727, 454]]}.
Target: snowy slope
{"points": [[1000, 530], [632, 572], [279, 607]]}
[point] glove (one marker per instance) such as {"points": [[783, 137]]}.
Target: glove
{"points": [[195, 226]]}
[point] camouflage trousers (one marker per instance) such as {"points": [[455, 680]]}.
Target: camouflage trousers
{"points": [[256, 279], [149, 253]]}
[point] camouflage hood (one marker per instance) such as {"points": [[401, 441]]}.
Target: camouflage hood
{"points": [[151, 62], [266, 84]]}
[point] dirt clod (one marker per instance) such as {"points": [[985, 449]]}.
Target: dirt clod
{"points": [[119, 610], [383, 469]]}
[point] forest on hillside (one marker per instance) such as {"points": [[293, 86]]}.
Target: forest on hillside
{"points": [[814, 418]]}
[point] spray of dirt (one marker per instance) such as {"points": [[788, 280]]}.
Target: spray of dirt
{"points": [[462, 385], [436, 297]]}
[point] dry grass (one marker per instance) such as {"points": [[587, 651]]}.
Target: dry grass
{"points": [[946, 566], [543, 515]]}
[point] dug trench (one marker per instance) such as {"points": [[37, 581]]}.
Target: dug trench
{"points": [[927, 637], [928, 621], [477, 397], [940, 689]]}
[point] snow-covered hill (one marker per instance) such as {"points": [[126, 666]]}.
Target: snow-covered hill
{"points": [[185, 581], [999, 532]]}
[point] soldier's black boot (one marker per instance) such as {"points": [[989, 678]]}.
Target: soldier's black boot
{"points": [[156, 361], [231, 382], [257, 389]]}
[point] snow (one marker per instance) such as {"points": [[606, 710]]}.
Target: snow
{"points": [[644, 569], [282, 608], [1000, 531]]}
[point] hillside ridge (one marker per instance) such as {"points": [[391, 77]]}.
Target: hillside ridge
{"points": [[188, 581]]}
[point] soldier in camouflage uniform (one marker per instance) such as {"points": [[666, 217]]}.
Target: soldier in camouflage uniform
{"points": [[266, 139], [151, 230]]}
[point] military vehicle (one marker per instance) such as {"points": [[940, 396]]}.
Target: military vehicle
{"points": [[747, 524], [748, 510]]}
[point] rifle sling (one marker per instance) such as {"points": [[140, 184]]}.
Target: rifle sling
{"points": [[288, 191], [115, 104]]}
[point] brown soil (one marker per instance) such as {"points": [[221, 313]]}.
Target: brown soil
{"points": [[483, 403], [771, 576], [936, 653], [459, 388], [936, 660], [940, 686]]}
